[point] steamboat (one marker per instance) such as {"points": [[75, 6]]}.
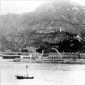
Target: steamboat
{"points": [[64, 58]]}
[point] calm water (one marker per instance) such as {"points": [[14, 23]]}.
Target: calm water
{"points": [[44, 74]]}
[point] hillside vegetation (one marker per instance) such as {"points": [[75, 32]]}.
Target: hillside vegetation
{"points": [[50, 23]]}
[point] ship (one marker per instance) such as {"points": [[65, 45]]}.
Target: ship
{"points": [[24, 76], [64, 58]]}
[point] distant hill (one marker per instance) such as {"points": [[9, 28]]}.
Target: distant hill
{"points": [[58, 15], [67, 15]]}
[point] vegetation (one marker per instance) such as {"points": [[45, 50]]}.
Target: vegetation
{"points": [[53, 24]]}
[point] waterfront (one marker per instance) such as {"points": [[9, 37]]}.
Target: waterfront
{"points": [[44, 74]]}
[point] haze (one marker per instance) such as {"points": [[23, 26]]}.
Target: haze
{"points": [[23, 6]]}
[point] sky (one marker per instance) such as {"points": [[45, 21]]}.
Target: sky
{"points": [[19, 6], [23, 6]]}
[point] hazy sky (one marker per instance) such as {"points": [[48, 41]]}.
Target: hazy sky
{"points": [[21, 6]]}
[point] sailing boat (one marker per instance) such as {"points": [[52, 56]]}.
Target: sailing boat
{"points": [[25, 76]]}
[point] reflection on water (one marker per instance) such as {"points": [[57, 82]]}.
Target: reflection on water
{"points": [[45, 74]]}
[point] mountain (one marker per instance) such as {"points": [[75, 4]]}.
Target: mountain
{"points": [[52, 16], [64, 14]]}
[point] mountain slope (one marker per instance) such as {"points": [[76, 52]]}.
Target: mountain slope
{"points": [[68, 16], [52, 16]]}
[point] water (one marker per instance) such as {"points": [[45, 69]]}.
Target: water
{"points": [[44, 74]]}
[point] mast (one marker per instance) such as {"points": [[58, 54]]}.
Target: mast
{"points": [[26, 69]]}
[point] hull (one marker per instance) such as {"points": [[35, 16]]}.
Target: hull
{"points": [[24, 77], [65, 58], [65, 61]]}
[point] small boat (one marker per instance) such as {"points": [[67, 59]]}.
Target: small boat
{"points": [[25, 76]]}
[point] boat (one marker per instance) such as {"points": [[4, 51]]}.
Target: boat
{"points": [[24, 76]]}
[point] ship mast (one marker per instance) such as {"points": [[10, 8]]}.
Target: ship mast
{"points": [[26, 69]]}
